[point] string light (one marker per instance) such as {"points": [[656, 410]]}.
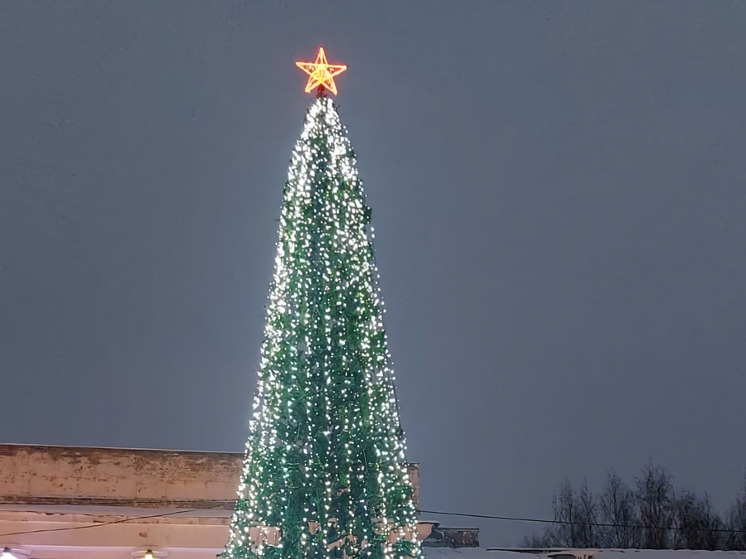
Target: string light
{"points": [[325, 470]]}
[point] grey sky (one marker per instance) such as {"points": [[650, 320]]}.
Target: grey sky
{"points": [[558, 194]]}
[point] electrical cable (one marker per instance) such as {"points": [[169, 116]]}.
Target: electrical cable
{"points": [[223, 502], [570, 522], [100, 524]]}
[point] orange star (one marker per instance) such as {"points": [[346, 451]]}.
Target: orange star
{"points": [[321, 75]]}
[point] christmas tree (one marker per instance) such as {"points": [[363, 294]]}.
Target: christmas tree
{"points": [[325, 472]]}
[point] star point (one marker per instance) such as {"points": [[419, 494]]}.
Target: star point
{"points": [[320, 73]]}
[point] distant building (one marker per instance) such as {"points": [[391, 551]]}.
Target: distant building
{"points": [[114, 503]]}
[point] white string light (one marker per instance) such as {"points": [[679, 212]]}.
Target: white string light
{"points": [[325, 463]]}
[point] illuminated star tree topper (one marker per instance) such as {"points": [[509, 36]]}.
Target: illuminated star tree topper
{"points": [[321, 74]]}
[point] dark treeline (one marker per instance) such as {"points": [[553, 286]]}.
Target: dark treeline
{"points": [[651, 513]]}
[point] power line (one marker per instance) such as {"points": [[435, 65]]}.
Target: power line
{"points": [[572, 523], [492, 516], [100, 524], [223, 502]]}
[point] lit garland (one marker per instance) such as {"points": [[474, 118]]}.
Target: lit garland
{"points": [[325, 471]]}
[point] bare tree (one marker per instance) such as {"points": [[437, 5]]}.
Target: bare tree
{"points": [[618, 508], [655, 497], [540, 542], [575, 513], [565, 533], [586, 507], [564, 503], [697, 526], [737, 523], [653, 515]]}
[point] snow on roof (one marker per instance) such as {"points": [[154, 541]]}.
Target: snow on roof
{"points": [[666, 554], [472, 553]]}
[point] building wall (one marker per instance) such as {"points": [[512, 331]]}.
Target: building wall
{"points": [[80, 503], [116, 476]]}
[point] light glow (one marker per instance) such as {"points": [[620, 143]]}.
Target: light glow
{"points": [[320, 73]]}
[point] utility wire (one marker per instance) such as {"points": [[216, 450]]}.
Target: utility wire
{"points": [[573, 523], [494, 517], [223, 502], [100, 524], [226, 502]]}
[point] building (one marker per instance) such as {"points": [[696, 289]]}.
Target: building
{"points": [[106, 503]]}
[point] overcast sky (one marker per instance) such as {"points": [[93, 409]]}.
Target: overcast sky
{"points": [[558, 196]]}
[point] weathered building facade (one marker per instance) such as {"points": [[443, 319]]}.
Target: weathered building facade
{"points": [[81, 503]]}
